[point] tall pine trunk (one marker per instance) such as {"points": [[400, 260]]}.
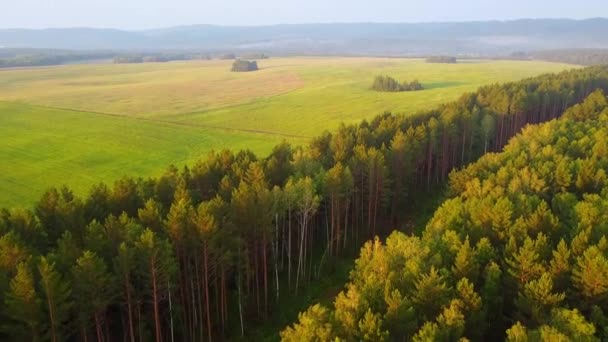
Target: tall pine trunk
{"points": [[155, 302]]}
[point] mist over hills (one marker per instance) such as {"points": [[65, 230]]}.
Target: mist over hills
{"points": [[485, 38]]}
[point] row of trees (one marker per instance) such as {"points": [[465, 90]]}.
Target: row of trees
{"points": [[574, 56], [387, 83], [51, 57], [128, 59], [518, 253], [204, 252], [158, 58], [255, 56], [442, 59], [37, 57]]}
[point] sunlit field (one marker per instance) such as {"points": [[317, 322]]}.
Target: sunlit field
{"points": [[81, 124]]}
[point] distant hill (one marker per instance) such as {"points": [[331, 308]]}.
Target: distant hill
{"points": [[462, 38]]}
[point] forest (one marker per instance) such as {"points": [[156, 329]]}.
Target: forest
{"points": [[13, 58], [36, 57], [518, 251], [203, 251], [574, 56]]}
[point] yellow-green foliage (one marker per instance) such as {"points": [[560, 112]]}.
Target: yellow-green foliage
{"points": [[81, 124]]}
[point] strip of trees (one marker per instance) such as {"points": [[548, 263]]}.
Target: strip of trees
{"points": [[574, 56], [517, 253], [442, 59], [389, 84], [255, 56], [128, 59], [203, 252], [158, 58], [28, 59]]}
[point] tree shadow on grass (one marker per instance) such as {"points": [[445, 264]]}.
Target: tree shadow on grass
{"points": [[438, 85]]}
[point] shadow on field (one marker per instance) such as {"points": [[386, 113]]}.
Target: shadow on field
{"points": [[437, 85], [276, 66]]}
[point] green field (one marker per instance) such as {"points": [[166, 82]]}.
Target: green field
{"points": [[82, 124]]}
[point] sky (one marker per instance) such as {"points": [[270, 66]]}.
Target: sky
{"points": [[144, 14]]}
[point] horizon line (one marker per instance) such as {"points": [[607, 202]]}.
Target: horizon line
{"points": [[302, 24]]}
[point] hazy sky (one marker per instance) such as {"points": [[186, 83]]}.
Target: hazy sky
{"points": [[136, 14]]}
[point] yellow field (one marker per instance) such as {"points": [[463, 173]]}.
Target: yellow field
{"points": [[81, 124]]}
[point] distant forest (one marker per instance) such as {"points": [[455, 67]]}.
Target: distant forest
{"points": [[36, 57], [203, 252], [442, 59], [10, 58], [574, 56], [46, 59]]}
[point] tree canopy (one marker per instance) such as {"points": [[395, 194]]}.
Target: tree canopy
{"points": [[517, 252]]}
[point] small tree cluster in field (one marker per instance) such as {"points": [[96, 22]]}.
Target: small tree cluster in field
{"points": [[244, 66], [387, 83], [441, 59]]}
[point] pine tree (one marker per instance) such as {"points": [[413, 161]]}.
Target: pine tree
{"points": [[590, 275], [537, 299], [94, 290], [370, 328], [56, 300], [314, 325], [156, 267], [23, 307]]}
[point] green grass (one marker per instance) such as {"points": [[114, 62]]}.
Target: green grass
{"points": [[81, 124], [42, 147]]}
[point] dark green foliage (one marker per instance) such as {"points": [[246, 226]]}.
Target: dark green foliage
{"points": [[496, 262], [441, 59], [389, 84], [244, 66]]}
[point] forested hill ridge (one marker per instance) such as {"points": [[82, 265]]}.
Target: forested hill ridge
{"points": [[574, 56], [204, 252], [489, 38], [519, 252]]}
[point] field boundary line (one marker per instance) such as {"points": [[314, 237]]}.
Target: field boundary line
{"points": [[170, 122]]}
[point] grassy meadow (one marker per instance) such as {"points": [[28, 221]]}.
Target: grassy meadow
{"points": [[81, 124]]}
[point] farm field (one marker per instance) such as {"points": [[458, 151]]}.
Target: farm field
{"points": [[81, 124]]}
